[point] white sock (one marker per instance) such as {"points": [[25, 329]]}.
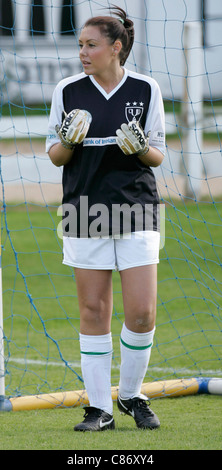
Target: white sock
{"points": [[96, 358], [135, 355]]}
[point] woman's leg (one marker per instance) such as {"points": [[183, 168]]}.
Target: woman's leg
{"points": [[95, 297], [139, 287], [94, 290], [139, 297]]}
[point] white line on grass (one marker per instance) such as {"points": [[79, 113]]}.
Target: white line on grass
{"points": [[77, 364]]}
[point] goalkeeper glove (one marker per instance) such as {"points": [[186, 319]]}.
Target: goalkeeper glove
{"points": [[74, 127], [131, 139]]}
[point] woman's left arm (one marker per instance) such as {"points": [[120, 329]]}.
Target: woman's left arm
{"points": [[153, 157]]}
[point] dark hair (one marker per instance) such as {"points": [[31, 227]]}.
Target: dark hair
{"points": [[121, 28]]}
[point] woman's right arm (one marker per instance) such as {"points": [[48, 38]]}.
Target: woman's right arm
{"points": [[59, 155]]}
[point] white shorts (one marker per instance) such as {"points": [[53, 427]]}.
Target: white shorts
{"points": [[138, 249]]}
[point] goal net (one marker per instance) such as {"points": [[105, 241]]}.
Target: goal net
{"points": [[179, 44]]}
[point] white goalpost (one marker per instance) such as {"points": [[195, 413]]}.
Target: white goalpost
{"points": [[5, 404], [2, 357], [192, 108]]}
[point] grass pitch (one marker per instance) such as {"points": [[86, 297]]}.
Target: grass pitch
{"points": [[41, 324], [188, 423]]}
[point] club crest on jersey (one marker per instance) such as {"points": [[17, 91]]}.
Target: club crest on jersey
{"points": [[134, 111]]}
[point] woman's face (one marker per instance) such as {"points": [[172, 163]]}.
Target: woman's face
{"points": [[96, 54]]}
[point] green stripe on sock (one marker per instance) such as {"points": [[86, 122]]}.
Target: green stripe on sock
{"points": [[138, 348], [95, 353]]}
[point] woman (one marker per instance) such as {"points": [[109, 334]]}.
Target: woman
{"points": [[102, 117]]}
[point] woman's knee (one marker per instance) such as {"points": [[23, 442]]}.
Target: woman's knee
{"points": [[94, 311], [95, 318], [141, 320]]}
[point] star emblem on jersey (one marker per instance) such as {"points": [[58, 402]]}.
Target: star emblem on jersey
{"points": [[134, 110]]}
